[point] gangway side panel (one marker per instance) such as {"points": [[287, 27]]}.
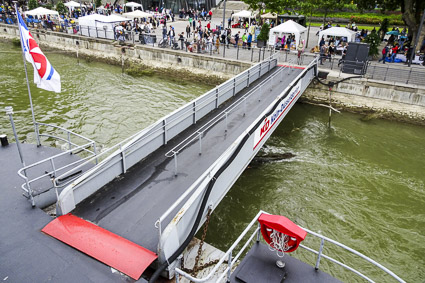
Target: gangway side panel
{"points": [[231, 164]]}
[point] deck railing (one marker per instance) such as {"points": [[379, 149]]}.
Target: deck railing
{"points": [[256, 233], [84, 144]]}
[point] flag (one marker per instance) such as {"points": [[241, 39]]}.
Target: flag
{"points": [[45, 76]]}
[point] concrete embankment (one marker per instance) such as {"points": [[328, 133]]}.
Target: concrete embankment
{"points": [[375, 99], [166, 61]]}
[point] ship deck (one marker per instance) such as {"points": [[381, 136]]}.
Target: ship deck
{"points": [[259, 265], [128, 206]]}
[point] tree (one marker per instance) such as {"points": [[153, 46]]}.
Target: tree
{"points": [[411, 11], [32, 4], [98, 3], [374, 41], [264, 33], [61, 8]]}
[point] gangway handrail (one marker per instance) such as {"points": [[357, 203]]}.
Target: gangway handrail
{"points": [[143, 137], [195, 135], [136, 142], [232, 260], [158, 223], [72, 148]]}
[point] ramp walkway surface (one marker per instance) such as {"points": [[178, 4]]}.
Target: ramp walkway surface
{"points": [[130, 205]]}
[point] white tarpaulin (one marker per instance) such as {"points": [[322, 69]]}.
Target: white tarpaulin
{"points": [[96, 25], [243, 14], [338, 31], [133, 5], [40, 11], [73, 4], [287, 28], [137, 14]]}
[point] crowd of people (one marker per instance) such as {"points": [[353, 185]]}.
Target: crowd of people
{"points": [[201, 35]]}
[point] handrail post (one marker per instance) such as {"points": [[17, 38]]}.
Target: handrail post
{"points": [[259, 232], [225, 113], [37, 131], [56, 188], [244, 106], [95, 151], [216, 98], [319, 255], [53, 166], [175, 163], [200, 143], [124, 169], [69, 142], [164, 124], [229, 272], [194, 112]]}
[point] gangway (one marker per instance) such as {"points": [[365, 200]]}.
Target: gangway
{"points": [[156, 187]]}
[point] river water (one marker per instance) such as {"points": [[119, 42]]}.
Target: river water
{"points": [[358, 182]]}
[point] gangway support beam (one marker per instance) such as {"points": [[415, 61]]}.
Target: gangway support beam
{"points": [[101, 244]]}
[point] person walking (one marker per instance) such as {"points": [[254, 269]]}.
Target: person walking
{"points": [[244, 40], [248, 41], [394, 52], [322, 53], [188, 31], [237, 39], [384, 54], [300, 49]]}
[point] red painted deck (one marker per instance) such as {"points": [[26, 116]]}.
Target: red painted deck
{"points": [[101, 244]]}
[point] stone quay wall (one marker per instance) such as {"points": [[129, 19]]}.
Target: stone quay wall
{"points": [[143, 54]]}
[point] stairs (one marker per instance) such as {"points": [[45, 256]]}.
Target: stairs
{"points": [[107, 247], [234, 6]]}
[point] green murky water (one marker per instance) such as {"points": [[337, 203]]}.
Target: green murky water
{"points": [[97, 100], [360, 183]]}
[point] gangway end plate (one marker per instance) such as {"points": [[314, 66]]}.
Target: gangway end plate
{"points": [[103, 245]]}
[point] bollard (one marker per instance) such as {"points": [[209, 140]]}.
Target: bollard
{"points": [[3, 140]]}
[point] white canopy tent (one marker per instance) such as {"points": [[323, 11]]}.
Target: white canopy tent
{"points": [[338, 31], [133, 5], [243, 14], [40, 11], [96, 25], [137, 14], [269, 16], [287, 28], [72, 5]]}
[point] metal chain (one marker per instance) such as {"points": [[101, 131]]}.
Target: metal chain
{"points": [[201, 267], [196, 266], [204, 234]]}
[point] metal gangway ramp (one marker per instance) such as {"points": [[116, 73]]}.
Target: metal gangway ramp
{"points": [[156, 187]]}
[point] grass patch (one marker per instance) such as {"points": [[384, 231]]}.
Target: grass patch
{"points": [[360, 27], [365, 18]]}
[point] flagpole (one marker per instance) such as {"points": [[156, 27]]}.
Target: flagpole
{"points": [[28, 85]]}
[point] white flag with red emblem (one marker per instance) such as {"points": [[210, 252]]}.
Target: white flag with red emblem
{"points": [[45, 76]]}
